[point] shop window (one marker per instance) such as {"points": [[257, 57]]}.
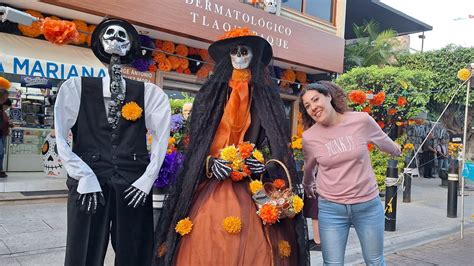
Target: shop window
{"points": [[321, 9]]}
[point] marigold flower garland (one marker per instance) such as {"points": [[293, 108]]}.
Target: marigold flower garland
{"points": [[59, 31], [184, 226], [131, 111], [232, 225]]}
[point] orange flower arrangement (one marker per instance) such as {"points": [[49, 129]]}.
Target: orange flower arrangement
{"points": [[232, 224], [381, 124], [245, 150], [367, 109], [401, 101], [301, 76], [159, 44], [4, 83], [158, 57], [236, 176], [236, 155], [82, 27], [168, 47], [131, 111], [187, 71], [59, 31], [279, 183], [90, 29], [174, 62], [181, 50], [204, 54], [289, 75], [357, 96], [183, 63], [378, 99], [152, 68], [202, 73], [165, 65], [184, 226], [35, 29], [392, 111], [268, 213], [284, 248], [237, 32]]}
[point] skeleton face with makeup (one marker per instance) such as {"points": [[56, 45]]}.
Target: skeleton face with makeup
{"points": [[115, 40], [241, 56]]}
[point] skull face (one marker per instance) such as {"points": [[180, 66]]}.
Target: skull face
{"points": [[115, 40], [241, 56], [52, 164], [270, 6]]}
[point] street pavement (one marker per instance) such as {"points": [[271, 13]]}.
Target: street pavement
{"points": [[33, 231]]}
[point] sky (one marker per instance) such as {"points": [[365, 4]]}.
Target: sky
{"points": [[452, 21]]}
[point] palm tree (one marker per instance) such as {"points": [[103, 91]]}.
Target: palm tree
{"points": [[371, 47]]}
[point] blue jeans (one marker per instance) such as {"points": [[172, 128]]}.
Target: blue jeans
{"points": [[335, 220], [443, 163]]}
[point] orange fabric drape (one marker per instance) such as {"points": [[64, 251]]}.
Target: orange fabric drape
{"points": [[236, 118]]}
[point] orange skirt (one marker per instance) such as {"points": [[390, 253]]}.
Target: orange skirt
{"points": [[208, 243]]}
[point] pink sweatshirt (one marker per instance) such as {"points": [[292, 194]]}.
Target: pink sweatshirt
{"points": [[339, 156]]}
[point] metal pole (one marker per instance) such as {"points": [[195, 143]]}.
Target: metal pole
{"points": [[464, 148], [407, 182], [391, 196]]}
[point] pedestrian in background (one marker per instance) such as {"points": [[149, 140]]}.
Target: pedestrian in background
{"points": [[335, 148]]}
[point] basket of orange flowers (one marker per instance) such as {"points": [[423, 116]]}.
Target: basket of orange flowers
{"points": [[275, 200]]}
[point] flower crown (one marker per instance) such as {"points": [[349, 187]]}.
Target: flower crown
{"points": [[237, 32]]}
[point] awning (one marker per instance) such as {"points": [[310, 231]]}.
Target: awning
{"points": [[388, 18], [33, 57]]}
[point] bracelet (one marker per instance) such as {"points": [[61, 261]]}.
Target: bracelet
{"points": [[208, 174]]}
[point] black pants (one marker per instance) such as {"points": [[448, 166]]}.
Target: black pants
{"points": [[131, 229], [428, 162]]}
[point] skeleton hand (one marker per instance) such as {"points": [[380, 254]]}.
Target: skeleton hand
{"points": [[220, 168], [88, 202], [254, 165], [135, 197]]}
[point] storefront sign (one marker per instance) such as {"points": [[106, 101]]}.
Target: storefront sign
{"points": [[36, 82], [47, 69], [134, 74], [205, 20]]}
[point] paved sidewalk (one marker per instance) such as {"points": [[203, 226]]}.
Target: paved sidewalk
{"points": [[33, 232], [451, 250]]}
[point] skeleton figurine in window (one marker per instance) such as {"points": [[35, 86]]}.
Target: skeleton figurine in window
{"points": [[110, 173], [272, 6], [238, 103]]}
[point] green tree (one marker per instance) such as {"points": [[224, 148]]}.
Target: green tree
{"points": [[372, 46], [445, 63]]}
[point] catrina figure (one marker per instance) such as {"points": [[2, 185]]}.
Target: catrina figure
{"points": [[237, 104]]}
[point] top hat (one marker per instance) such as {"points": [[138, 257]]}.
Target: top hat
{"points": [[132, 34]]}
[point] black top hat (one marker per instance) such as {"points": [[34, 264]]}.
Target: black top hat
{"points": [[260, 47], [132, 34]]}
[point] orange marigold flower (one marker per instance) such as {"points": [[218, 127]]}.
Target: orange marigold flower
{"points": [[179, 70], [152, 68], [184, 226], [284, 248], [279, 183], [381, 124], [289, 75], [246, 170], [268, 213], [202, 73], [174, 62], [165, 65], [378, 99], [254, 186], [168, 47], [237, 32], [204, 54], [236, 176], [370, 146], [82, 27], [59, 31], [187, 71], [159, 44], [232, 224], [245, 150], [392, 111], [34, 30], [401, 101], [301, 76], [464, 74], [367, 109], [158, 57], [183, 63], [357, 96], [131, 111], [181, 50]]}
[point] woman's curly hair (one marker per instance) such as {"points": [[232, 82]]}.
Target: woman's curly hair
{"points": [[326, 88]]}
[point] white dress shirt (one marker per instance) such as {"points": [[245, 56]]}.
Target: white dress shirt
{"points": [[157, 120]]}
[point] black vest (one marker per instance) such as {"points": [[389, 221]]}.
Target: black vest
{"points": [[121, 151]]}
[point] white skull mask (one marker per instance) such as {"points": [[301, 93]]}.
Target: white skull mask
{"points": [[115, 40], [241, 56], [270, 6]]}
